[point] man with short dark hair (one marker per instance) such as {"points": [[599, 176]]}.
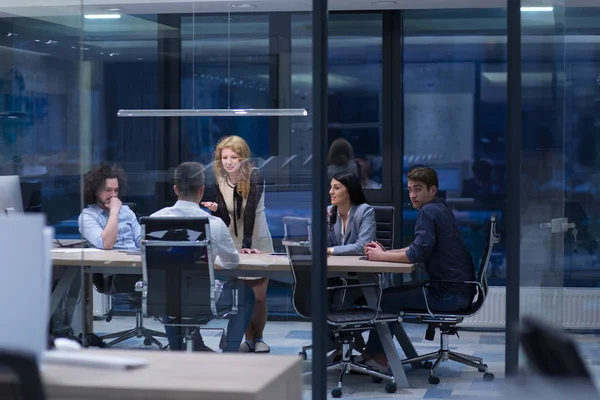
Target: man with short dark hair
{"points": [[105, 222], [189, 188], [439, 246]]}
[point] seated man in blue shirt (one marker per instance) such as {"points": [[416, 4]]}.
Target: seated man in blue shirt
{"points": [[105, 222], [189, 188], [439, 246]]}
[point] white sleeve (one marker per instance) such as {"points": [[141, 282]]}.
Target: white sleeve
{"points": [[223, 246]]}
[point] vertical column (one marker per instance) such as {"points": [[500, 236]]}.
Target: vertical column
{"points": [[319, 164], [513, 214]]}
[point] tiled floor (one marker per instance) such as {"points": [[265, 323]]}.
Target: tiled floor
{"points": [[457, 381]]}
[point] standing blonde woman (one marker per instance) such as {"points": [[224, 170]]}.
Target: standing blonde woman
{"points": [[241, 205]]}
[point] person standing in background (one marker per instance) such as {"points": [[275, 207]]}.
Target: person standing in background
{"points": [[341, 159], [241, 205]]}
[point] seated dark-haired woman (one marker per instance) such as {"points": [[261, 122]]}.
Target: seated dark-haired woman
{"points": [[351, 227], [351, 219]]}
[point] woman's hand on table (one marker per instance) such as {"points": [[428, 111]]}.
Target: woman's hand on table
{"points": [[251, 251]]}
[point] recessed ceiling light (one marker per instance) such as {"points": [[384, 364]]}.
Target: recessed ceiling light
{"points": [[102, 16], [384, 3], [112, 9], [243, 5], [537, 9]]}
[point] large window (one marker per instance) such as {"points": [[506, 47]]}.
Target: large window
{"points": [[40, 113], [354, 91], [225, 64], [455, 113]]}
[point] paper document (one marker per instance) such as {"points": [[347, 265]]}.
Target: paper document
{"points": [[62, 250]]}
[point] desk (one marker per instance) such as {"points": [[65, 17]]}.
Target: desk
{"points": [[118, 262], [179, 376]]}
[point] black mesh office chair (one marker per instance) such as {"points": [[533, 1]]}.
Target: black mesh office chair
{"points": [[28, 383], [344, 324], [551, 353], [384, 221], [178, 275], [447, 322], [124, 287]]}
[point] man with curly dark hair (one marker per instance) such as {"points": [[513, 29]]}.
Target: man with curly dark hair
{"points": [[105, 222]]}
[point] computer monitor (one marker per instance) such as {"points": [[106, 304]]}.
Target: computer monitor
{"points": [[450, 179], [10, 194]]}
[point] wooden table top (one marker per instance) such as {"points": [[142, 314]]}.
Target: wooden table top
{"points": [[249, 262]]}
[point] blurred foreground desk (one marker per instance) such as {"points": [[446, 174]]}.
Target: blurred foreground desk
{"points": [[179, 376]]}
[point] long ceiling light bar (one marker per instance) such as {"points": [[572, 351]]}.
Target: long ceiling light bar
{"points": [[537, 9], [215, 112], [102, 16]]}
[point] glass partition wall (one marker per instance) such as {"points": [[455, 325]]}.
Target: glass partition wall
{"points": [[200, 55], [559, 245], [405, 87], [45, 125]]}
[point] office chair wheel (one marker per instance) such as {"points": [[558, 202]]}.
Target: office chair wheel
{"points": [[147, 342], [336, 393], [109, 315], [488, 377], [434, 380], [427, 364], [376, 379], [483, 368], [390, 388], [303, 355]]}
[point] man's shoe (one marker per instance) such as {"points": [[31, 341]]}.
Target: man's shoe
{"points": [[261, 347]]}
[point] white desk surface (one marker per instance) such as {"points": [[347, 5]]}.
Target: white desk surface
{"points": [[251, 262], [180, 376]]}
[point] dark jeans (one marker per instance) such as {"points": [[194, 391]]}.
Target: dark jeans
{"points": [[396, 299], [235, 327]]}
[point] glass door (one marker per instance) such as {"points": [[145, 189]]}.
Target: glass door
{"points": [[544, 224]]}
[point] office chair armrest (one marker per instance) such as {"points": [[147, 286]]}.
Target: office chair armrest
{"points": [[234, 305], [426, 284]]}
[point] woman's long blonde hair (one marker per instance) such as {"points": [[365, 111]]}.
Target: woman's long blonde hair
{"points": [[239, 147]]}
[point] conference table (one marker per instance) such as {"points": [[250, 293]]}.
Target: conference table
{"points": [[70, 264]]}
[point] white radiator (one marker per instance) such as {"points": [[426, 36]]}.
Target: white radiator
{"points": [[572, 308]]}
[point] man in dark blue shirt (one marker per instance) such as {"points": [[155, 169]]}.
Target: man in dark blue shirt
{"points": [[439, 246]]}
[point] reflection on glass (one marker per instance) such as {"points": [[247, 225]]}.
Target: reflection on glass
{"points": [[454, 117], [354, 85], [225, 64]]}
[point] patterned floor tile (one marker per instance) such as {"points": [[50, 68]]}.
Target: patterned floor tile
{"points": [[438, 394], [304, 335], [492, 339], [456, 380]]}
